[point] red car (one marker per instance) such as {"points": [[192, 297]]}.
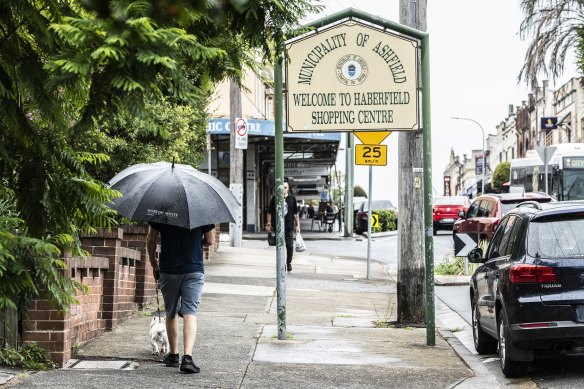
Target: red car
{"points": [[445, 211], [486, 211]]}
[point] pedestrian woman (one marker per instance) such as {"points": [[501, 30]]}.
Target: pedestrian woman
{"points": [[291, 222]]}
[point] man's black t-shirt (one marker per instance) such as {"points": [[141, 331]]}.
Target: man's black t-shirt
{"points": [[181, 249], [290, 209]]}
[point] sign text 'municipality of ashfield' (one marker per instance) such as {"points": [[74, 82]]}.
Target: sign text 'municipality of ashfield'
{"points": [[329, 44]]}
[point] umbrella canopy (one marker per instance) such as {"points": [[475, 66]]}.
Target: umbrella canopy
{"points": [[172, 194]]}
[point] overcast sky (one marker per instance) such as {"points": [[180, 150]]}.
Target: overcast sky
{"points": [[475, 57]]}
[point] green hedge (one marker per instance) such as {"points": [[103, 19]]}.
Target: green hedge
{"points": [[387, 220]]}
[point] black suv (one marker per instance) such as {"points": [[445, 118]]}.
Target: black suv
{"points": [[527, 297]]}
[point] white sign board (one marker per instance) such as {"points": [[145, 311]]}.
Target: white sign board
{"points": [[352, 77], [241, 133]]}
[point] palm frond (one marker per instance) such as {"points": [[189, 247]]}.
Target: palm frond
{"points": [[555, 27]]}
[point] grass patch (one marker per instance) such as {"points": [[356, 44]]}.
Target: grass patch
{"points": [[382, 324], [454, 266], [395, 324], [450, 266], [289, 336], [456, 329]]}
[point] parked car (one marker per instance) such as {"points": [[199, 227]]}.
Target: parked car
{"points": [[356, 205], [362, 218], [445, 211], [486, 211], [527, 295]]}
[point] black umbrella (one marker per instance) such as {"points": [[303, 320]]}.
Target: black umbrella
{"points": [[173, 194]]}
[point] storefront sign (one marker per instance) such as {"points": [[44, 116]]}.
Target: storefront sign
{"points": [[257, 127]]}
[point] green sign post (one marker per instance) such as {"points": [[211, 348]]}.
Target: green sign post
{"points": [[357, 72]]}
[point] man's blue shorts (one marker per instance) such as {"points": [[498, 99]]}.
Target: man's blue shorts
{"points": [[181, 293]]}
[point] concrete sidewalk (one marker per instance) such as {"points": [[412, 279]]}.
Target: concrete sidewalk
{"points": [[332, 342]]}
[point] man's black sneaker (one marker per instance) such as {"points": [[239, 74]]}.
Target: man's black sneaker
{"points": [[289, 267], [171, 360], [188, 366]]}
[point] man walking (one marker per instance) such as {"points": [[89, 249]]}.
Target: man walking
{"points": [[181, 276], [291, 222]]}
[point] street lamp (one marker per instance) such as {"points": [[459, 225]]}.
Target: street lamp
{"points": [[484, 153]]}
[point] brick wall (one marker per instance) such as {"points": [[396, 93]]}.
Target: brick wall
{"points": [[135, 238], [57, 332], [210, 250], [119, 280]]}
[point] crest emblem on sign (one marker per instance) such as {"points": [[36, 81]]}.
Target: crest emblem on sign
{"points": [[352, 70]]}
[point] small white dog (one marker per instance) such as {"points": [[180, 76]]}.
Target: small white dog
{"points": [[158, 336]]}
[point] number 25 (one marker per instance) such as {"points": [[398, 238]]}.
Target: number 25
{"points": [[370, 152]]}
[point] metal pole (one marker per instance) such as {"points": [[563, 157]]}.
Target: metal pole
{"points": [[428, 223], [349, 160], [545, 168], [341, 218], [369, 223], [209, 148], [279, 160], [484, 151]]}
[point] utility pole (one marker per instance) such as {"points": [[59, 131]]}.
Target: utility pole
{"points": [[236, 165], [411, 239]]}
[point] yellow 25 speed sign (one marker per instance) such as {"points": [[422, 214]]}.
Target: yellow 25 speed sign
{"points": [[372, 155]]}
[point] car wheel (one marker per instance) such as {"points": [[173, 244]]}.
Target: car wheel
{"points": [[484, 344], [509, 367]]}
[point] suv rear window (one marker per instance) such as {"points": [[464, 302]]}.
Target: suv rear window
{"points": [[558, 237], [507, 205]]}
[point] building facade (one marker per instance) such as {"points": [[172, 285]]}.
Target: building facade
{"points": [[308, 157], [522, 130]]}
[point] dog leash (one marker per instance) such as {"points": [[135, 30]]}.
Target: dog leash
{"points": [[158, 302]]}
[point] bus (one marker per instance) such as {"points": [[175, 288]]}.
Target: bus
{"points": [[565, 172]]}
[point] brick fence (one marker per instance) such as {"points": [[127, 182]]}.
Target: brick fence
{"points": [[119, 280]]}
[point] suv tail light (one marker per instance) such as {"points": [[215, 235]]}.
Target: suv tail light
{"points": [[496, 223], [530, 274]]}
